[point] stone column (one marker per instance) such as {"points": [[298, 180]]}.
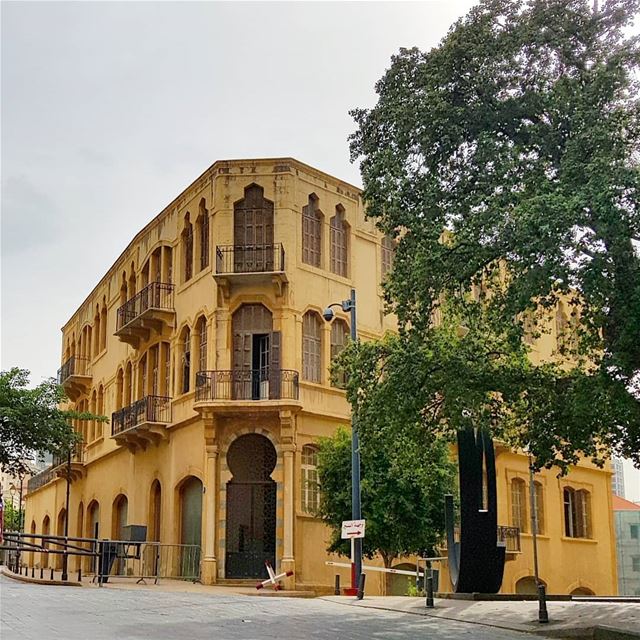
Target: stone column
{"points": [[287, 434], [209, 562]]}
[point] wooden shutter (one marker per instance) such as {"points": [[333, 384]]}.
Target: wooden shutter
{"points": [[275, 365]]}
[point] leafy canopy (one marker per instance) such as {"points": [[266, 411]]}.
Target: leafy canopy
{"points": [[509, 155], [402, 491], [31, 422]]}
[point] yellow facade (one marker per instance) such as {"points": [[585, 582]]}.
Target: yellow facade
{"points": [[134, 349]]}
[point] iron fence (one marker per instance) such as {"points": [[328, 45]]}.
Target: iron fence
{"points": [[156, 295], [74, 366], [109, 558], [247, 384], [259, 258], [147, 409], [510, 536]]}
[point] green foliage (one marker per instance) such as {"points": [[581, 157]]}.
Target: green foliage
{"points": [[31, 422], [515, 142], [11, 517], [402, 489]]}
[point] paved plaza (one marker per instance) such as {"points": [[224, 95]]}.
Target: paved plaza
{"points": [[37, 612]]}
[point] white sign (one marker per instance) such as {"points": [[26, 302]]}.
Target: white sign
{"points": [[352, 529]]}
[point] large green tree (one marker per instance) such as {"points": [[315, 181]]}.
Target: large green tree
{"points": [[507, 158], [31, 421], [402, 486]]}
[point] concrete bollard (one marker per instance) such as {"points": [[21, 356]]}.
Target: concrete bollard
{"points": [[33, 572], [80, 574], [41, 573], [51, 573], [360, 595], [336, 590]]}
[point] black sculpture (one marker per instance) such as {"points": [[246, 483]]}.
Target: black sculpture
{"points": [[476, 563]]}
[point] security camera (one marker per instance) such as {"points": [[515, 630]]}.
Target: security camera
{"points": [[327, 314]]}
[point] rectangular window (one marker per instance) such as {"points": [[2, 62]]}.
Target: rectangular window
{"points": [[635, 531], [635, 563]]}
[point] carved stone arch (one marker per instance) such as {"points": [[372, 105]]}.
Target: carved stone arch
{"points": [[581, 584]]}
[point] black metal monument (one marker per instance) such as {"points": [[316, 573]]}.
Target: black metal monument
{"points": [[476, 562]]}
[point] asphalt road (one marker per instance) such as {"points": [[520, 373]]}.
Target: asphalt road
{"points": [[37, 612]]}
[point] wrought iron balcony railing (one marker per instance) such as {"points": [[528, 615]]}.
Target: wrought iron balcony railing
{"points": [[156, 295], [247, 384], [511, 537], [259, 258], [74, 366], [150, 409], [77, 456], [40, 479]]}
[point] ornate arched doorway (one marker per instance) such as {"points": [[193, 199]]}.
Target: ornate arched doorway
{"points": [[251, 507]]}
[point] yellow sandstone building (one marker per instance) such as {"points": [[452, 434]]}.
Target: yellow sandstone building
{"points": [[205, 344]]}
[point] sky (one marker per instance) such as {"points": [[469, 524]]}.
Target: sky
{"points": [[110, 109]]}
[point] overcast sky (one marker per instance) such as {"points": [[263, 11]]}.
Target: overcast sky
{"points": [[109, 110]]}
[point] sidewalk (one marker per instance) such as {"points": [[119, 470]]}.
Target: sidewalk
{"points": [[567, 619]]}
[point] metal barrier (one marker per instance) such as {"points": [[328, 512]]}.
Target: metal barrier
{"points": [[111, 558]]}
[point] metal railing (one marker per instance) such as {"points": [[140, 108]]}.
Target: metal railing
{"points": [[511, 537], [259, 258], [108, 558], [40, 479], [74, 366], [156, 295], [147, 409], [61, 458], [247, 384]]}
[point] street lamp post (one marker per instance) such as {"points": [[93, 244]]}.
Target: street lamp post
{"points": [[356, 512]]}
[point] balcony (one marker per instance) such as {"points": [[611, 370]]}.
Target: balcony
{"points": [[76, 469], [252, 264], [40, 479], [142, 422], [75, 376], [151, 309], [247, 390], [510, 538]]}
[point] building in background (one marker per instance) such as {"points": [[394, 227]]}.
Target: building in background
{"points": [[627, 521], [205, 344], [617, 479]]}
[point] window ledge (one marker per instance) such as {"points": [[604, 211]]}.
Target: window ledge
{"points": [[99, 356], [307, 516], [194, 278], [579, 540], [95, 442], [539, 536]]}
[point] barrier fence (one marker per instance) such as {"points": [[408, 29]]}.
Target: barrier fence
{"points": [[108, 558]]}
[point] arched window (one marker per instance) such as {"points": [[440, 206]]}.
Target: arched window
{"points": [[103, 325], [312, 232], [128, 385], [202, 344], [339, 338], [166, 349], [577, 513], [123, 288], [93, 423], [187, 249], [120, 389], [131, 290], [155, 511], [97, 331], [388, 250], [185, 378], [519, 504], [312, 347], [310, 488], [339, 243], [538, 496], [143, 377], [100, 410], [203, 235], [562, 326]]}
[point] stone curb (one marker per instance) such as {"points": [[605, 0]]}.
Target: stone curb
{"points": [[20, 578], [599, 632]]}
